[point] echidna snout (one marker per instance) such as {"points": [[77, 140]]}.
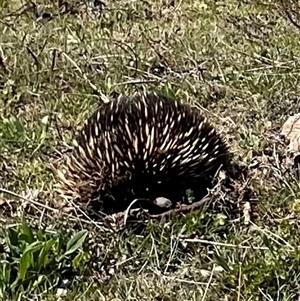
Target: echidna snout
{"points": [[144, 141]]}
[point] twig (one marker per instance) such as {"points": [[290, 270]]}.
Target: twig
{"points": [[208, 283], [32, 54], [127, 211], [136, 82], [28, 200], [220, 244]]}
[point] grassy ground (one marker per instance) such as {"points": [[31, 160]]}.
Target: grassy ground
{"points": [[239, 60]]}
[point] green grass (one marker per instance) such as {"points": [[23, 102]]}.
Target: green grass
{"points": [[53, 74]]}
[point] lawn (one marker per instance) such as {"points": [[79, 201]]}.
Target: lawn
{"points": [[238, 60]]}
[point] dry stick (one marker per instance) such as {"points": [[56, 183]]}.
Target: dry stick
{"points": [[88, 221], [208, 283], [220, 244], [34, 57], [26, 199]]}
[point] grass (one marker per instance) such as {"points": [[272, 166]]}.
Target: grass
{"points": [[239, 60]]}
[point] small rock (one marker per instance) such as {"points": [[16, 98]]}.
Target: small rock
{"points": [[162, 202]]}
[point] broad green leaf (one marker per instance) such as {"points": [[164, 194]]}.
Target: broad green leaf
{"points": [[28, 233], [75, 242], [11, 238], [16, 124], [25, 263], [42, 259], [77, 261], [26, 258]]}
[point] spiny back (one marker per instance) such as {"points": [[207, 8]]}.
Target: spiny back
{"points": [[142, 139]]}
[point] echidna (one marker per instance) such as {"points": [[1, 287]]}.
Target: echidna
{"points": [[144, 145]]}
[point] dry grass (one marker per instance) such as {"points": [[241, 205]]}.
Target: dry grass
{"points": [[239, 61]]}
